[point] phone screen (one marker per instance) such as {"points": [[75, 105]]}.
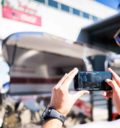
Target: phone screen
{"points": [[93, 81]]}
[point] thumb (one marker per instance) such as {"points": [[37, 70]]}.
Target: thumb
{"points": [[80, 93], [113, 84]]}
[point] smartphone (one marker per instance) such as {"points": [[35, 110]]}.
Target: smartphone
{"points": [[92, 81]]}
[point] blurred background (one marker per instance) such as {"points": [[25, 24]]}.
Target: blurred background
{"points": [[40, 41]]}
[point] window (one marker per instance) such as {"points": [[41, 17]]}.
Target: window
{"points": [[53, 3], [95, 18], [85, 15], [41, 1], [76, 12], [65, 8]]}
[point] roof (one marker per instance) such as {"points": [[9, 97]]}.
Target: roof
{"points": [[101, 34]]}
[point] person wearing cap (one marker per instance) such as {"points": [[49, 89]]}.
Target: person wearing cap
{"points": [[62, 100]]}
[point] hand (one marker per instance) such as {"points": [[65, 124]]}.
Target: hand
{"points": [[115, 84], [61, 99]]}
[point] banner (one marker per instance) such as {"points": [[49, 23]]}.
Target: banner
{"points": [[19, 13]]}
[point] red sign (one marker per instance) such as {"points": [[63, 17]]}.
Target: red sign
{"points": [[20, 16]]}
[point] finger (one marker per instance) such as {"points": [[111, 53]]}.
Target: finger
{"points": [[113, 84], [73, 70], [115, 76], [107, 94], [80, 93], [104, 94], [106, 97], [69, 78], [61, 80]]}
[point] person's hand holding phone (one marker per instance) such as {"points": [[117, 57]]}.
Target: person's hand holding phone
{"points": [[115, 84], [61, 98]]}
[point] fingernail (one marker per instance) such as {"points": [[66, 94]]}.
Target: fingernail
{"points": [[75, 69], [110, 69], [86, 92], [66, 74], [107, 80]]}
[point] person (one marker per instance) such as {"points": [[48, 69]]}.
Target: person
{"points": [[62, 100], [115, 84]]}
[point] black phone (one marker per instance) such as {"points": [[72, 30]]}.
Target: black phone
{"points": [[92, 81]]}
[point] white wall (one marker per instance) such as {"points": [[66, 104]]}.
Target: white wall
{"points": [[91, 6], [57, 22], [62, 24], [18, 88], [53, 21]]}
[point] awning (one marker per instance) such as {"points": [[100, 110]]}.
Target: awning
{"points": [[40, 58], [43, 55], [49, 43], [101, 34]]}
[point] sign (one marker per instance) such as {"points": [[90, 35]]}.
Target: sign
{"points": [[19, 14], [117, 37]]}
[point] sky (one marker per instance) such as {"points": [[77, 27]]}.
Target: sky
{"points": [[115, 4]]}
